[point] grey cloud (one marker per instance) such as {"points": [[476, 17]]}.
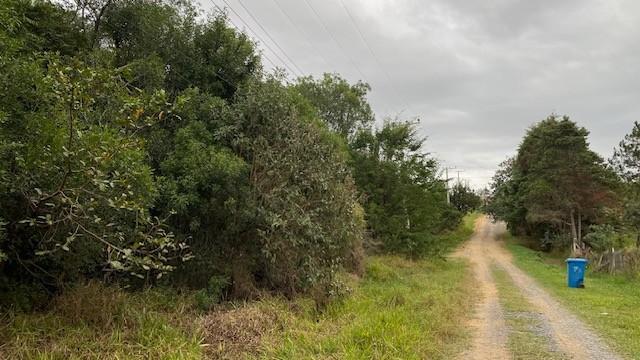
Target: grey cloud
{"points": [[477, 73]]}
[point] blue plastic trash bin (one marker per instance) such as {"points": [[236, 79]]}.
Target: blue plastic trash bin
{"points": [[575, 272]]}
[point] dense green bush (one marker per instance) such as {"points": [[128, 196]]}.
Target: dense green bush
{"points": [[136, 135], [405, 201], [555, 186]]}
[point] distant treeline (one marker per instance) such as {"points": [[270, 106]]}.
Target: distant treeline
{"points": [[559, 191], [143, 143]]}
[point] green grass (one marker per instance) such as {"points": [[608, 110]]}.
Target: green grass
{"points": [[402, 309], [97, 322], [608, 303], [451, 239], [526, 340]]}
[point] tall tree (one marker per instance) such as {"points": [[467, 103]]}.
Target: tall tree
{"points": [[556, 181], [626, 163], [343, 106], [464, 198], [405, 202]]}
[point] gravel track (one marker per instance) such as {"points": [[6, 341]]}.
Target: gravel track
{"points": [[490, 334]]}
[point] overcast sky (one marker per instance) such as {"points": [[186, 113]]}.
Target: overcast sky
{"points": [[477, 73]]}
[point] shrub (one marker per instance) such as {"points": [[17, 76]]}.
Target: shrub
{"points": [[213, 293], [92, 304]]}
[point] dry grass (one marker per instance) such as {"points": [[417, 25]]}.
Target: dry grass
{"points": [[98, 322], [402, 309], [238, 332]]}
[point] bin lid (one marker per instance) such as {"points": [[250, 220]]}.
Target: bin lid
{"points": [[576, 260]]}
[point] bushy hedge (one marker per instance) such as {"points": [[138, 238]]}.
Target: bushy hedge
{"points": [[142, 144]]}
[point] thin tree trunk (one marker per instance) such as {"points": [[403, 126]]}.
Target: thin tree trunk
{"points": [[574, 235], [579, 228]]}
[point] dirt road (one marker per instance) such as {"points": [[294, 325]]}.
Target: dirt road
{"points": [[564, 332]]}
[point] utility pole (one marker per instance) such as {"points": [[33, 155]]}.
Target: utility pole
{"points": [[459, 171], [446, 179]]}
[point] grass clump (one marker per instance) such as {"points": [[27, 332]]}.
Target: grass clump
{"points": [[608, 303], [94, 321], [403, 309], [528, 338]]}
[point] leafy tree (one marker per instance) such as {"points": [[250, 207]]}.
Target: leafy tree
{"points": [[76, 189], [555, 182], [506, 201], [626, 163], [168, 41], [604, 237], [306, 201], [343, 106], [464, 198], [39, 25], [135, 131], [405, 202], [626, 157]]}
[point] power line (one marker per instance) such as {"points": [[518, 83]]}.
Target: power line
{"points": [[319, 18], [255, 33], [322, 23], [239, 29], [366, 43], [297, 28], [269, 36], [257, 36]]}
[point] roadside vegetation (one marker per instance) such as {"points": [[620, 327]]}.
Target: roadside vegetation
{"points": [[400, 308], [94, 321], [153, 177], [142, 144], [608, 303]]}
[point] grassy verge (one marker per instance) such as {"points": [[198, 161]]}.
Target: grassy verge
{"points": [[451, 239], [528, 337], [97, 322], [402, 309], [608, 303]]}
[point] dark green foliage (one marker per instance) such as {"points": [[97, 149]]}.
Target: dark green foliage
{"points": [[165, 40], [555, 183], [305, 198], [464, 199], [626, 157], [214, 292], [136, 135], [342, 106], [27, 26], [405, 202], [506, 199], [76, 189], [604, 237], [626, 163]]}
